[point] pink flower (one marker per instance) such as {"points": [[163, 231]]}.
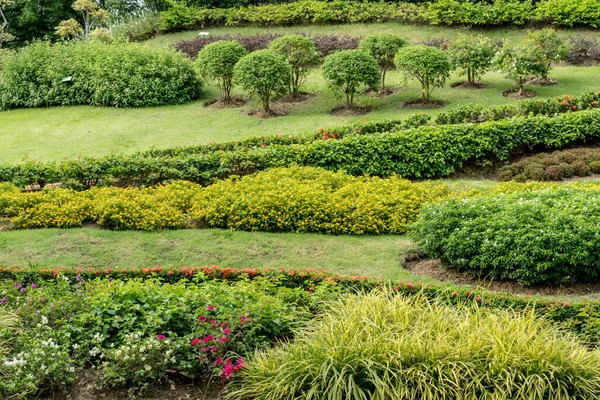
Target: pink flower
{"points": [[161, 337], [219, 362], [243, 319], [33, 286], [201, 358], [208, 339], [195, 341], [202, 318], [226, 331], [222, 340], [210, 307]]}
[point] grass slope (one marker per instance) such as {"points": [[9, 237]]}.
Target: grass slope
{"points": [[55, 133], [376, 256]]}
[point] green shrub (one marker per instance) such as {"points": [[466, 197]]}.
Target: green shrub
{"points": [[348, 70], [383, 49], [429, 65], [553, 48], [120, 75], [381, 346], [540, 237], [301, 53], [475, 13], [473, 55], [520, 61], [570, 13], [265, 74], [7, 321], [216, 62]]}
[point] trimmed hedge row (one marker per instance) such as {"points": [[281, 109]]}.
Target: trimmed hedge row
{"points": [[538, 237], [279, 200], [440, 12], [422, 152], [119, 75], [582, 318]]}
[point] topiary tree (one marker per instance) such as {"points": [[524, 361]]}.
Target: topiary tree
{"points": [[551, 47], [473, 55], [427, 64], [301, 53], [519, 61], [347, 70], [216, 61], [383, 49], [263, 73]]}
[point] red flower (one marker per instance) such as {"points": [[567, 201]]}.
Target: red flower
{"points": [[161, 337], [210, 307], [195, 341], [208, 339], [219, 362], [222, 340], [227, 331]]}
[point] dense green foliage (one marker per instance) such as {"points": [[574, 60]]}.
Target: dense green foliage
{"points": [[519, 61], [348, 70], [120, 75], [392, 347], [570, 13], [473, 55], [480, 13], [301, 53], [216, 61], [383, 49], [264, 74], [552, 47], [429, 65], [540, 237]]}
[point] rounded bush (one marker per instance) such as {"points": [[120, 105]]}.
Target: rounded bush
{"points": [[383, 49], [429, 65], [540, 237], [380, 346], [216, 62], [119, 75], [473, 55], [348, 70], [265, 74], [301, 52]]}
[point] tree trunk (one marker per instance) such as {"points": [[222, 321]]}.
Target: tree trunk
{"points": [[383, 79], [425, 93]]}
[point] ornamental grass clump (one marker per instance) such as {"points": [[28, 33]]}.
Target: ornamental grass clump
{"points": [[381, 347]]}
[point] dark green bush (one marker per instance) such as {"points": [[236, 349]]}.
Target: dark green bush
{"points": [[570, 13], [540, 237], [120, 75], [480, 13], [348, 70], [430, 66], [383, 49], [216, 62]]}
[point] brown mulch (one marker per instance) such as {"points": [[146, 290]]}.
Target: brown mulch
{"points": [[261, 113], [468, 85], [513, 93], [388, 91], [541, 82], [235, 102], [296, 98], [419, 265], [343, 111], [421, 104]]}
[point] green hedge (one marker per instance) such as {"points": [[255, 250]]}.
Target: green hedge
{"points": [[582, 318], [539, 237], [120, 75], [440, 12]]}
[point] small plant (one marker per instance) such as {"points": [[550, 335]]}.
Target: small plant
{"points": [[348, 70], [383, 48], [217, 60], [430, 66], [302, 55], [518, 62], [7, 321], [265, 74], [552, 47], [473, 55]]}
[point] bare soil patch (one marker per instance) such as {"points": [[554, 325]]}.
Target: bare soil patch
{"points": [[468, 85], [388, 91], [541, 82], [235, 102], [416, 263], [514, 93], [261, 113], [421, 104], [297, 98], [348, 111]]}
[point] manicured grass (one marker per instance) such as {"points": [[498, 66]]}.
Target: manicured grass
{"points": [[412, 33], [375, 256], [66, 132]]}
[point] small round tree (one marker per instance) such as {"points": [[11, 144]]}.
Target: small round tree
{"points": [[551, 47], [383, 48], [427, 64], [347, 70], [216, 61], [473, 55], [263, 73], [301, 53], [519, 61]]}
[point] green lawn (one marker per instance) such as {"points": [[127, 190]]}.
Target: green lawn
{"points": [[376, 256], [58, 132]]}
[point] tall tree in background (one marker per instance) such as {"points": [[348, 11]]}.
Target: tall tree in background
{"points": [[35, 19], [5, 36]]}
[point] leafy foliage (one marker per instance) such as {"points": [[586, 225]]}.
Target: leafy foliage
{"points": [[216, 61], [473, 55], [383, 48], [480, 13], [553, 48], [348, 70], [301, 53], [570, 13], [265, 74], [430, 66], [518, 61]]}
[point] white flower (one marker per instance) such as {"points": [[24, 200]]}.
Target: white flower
{"points": [[44, 320]]}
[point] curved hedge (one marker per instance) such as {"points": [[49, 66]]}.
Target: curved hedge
{"points": [[539, 237], [119, 75]]}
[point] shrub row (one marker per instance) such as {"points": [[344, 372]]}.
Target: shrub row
{"points": [[326, 44], [279, 200], [579, 317], [120, 75], [421, 152], [441, 12], [538, 237], [554, 166]]}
